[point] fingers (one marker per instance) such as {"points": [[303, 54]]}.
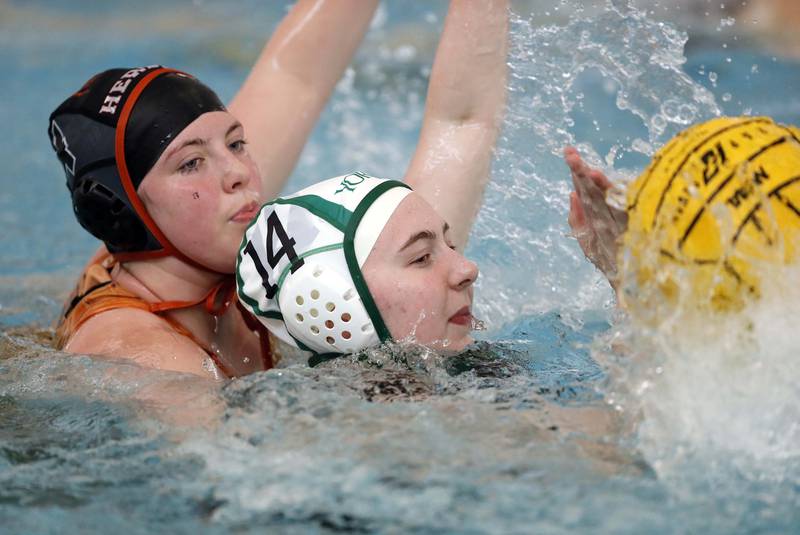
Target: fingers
{"points": [[580, 181], [596, 225], [582, 170], [576, 164], [594, 198], [592, 186], [572, 157], [580, 230], [576, 217], [600, 179], [572, 216]]}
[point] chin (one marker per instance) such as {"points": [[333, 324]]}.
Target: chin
{"points": [[226, 268], [461, 344]]}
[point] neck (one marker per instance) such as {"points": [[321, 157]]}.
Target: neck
{"points": [[167, 279]]}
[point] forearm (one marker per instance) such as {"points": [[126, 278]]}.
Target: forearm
{"points": [[463, 112], [293, 78]]}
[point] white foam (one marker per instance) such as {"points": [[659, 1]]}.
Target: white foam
{"points": [[723, 387]]}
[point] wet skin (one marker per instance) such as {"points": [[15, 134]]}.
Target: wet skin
{"points": [[204, 190], [421, 284]]}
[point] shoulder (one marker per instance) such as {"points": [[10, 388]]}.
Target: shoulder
{"points": [[140, 336]]}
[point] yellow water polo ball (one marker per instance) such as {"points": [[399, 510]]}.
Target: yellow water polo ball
{"points": [[717, 204]]}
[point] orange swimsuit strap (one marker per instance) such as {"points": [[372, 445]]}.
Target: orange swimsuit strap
{"points": [[96, 293]]}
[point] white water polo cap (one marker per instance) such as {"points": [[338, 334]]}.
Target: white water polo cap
{"points": [[299, 266]]}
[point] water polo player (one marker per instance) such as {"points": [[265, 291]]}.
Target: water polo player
{"points": [[158, 170], [717, 205], [352, 262], [355, 260]]}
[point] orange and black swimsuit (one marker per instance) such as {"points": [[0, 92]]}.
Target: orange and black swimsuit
{"points": [[96, 293]]}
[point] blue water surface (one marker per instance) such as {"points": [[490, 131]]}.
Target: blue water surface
{"points": [[519, 436]]}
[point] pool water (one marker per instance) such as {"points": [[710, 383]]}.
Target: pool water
{"points": [[566, 417]]}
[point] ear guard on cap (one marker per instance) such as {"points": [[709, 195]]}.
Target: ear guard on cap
{"points": [[299, 265], [102, 208]]}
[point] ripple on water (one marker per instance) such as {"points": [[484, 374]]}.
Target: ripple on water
{"points": [[513, 436]]}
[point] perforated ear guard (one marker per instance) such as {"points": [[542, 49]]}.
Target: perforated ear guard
{"points": [[324, 309], [299, 264]]}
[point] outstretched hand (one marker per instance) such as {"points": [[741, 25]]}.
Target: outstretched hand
{"points": [[597, 226]]}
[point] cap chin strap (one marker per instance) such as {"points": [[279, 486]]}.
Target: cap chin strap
{"points": [[212, 304], [130, 190], [211, 300]]}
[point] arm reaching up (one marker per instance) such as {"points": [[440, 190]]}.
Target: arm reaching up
{"points": [[463, 112], [291, 81]]}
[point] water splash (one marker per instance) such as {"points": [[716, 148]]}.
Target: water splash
{"points": [[566, 81], [718, 389]]}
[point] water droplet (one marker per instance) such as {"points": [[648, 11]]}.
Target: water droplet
{"points": [[726, 22], [405, 53]]}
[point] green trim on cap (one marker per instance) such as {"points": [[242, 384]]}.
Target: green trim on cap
{"points": [[269, 314], [253, 304], [335, 214], [352, 261], [318, 358], [300, 344], [311, 252]]}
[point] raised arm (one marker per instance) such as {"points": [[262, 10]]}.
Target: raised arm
{"points": [[463, 112], [291, 81]]}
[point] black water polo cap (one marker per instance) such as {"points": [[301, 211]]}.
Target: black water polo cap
{"points": [[109, 134]]}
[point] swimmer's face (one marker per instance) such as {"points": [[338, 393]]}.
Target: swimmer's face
{"points": [[204, 190], [421, 284]]}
